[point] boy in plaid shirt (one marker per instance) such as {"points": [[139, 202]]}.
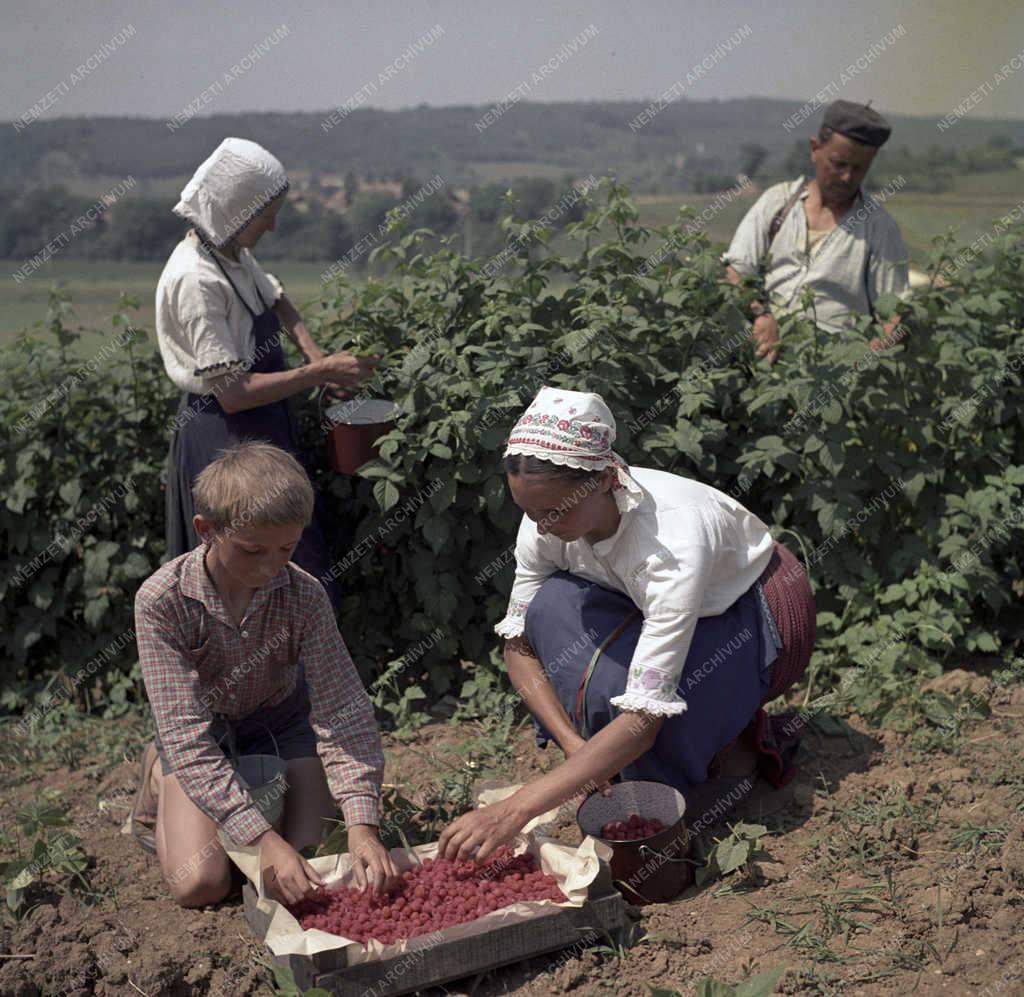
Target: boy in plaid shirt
{"points": [[234, 640]]}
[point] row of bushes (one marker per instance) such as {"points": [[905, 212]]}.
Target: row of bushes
{"points": [[896, 475]]}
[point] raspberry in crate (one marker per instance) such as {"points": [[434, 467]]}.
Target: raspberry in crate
{"points": [[437, 894]]}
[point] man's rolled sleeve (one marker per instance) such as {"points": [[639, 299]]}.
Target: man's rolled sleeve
{"points": [[342, 717], [750, 240], [890, 272]]}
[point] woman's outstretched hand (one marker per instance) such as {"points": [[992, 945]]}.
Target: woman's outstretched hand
{"points": [[480, 832], [345, 370]]}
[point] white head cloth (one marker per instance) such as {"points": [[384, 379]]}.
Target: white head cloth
{"points": [[230, 188], [574, 429]]}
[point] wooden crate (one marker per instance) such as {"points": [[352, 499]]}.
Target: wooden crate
{"points": [[604, 914]]}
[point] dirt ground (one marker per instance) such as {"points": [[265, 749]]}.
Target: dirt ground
{"points": [[898, 867]]}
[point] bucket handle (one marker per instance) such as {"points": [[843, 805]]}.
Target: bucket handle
{"points": [[233, 743], [322, 394], [661, 856]]}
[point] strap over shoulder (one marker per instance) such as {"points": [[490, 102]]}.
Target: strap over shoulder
{"points": [[780, 215]]}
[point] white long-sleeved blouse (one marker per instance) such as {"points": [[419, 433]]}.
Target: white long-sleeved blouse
{"points": [[686, 551], [203, 328]]}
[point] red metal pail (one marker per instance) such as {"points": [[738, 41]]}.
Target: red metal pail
{"points": [[355, 427], [650, 870]]}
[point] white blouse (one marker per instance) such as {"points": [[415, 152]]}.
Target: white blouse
{"points": [[686, 551], [202, 328]]}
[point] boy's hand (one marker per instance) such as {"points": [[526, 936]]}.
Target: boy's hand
{"points": [[371, 861], [287, 876]]}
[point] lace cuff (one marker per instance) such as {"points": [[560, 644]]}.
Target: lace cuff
{"points": [[645, 704], [222, 367], [651, 690], [513, 625]]}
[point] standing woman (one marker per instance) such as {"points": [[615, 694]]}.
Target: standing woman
{"points": [[651, 618], [219, 320]]}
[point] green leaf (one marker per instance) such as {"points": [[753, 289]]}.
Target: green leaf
{"points": [[71, 491], [95, 611], [41, 594], [336, 841], [752, 831], [941, 711], [25, 876], [386, 494], [495, 492], [914, 486], [135, 565], [762, 985], [732, 855], [97, 562], [709, 987], [986, 642], [443, 493], [436, 532], [284, 981]]}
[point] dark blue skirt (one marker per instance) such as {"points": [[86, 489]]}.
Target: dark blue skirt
{"points": [[202, 431], [726, 677]]}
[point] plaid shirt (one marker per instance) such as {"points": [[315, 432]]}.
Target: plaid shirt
{"points": [[197, 662]]}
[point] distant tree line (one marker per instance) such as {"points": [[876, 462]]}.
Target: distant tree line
{"points": [[139, 227], [931, 169], [690, 145]]}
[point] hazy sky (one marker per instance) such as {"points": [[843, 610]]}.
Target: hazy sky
{"points": [[317, 55]]}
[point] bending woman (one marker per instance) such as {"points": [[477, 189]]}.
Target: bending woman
{"points": [[219, 319], [650, 619]]}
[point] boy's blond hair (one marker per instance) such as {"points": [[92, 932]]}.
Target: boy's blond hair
{"points": [[253, 484]]}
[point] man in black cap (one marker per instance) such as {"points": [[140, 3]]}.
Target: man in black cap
{"points": [[825, 234]]}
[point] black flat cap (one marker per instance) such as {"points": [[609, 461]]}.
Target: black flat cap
{"points": [[857, 121]]}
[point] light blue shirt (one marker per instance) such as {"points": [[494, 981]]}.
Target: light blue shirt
{"points": [[859, 260]]}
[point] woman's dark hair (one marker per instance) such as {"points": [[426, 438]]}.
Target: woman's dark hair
{"points": [[524, 464]]}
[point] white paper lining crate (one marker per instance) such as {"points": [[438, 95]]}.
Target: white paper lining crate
{"points": [[605, 914]]}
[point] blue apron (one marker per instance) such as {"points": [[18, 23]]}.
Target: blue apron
{"points": [[203, 429], [585, 636]]}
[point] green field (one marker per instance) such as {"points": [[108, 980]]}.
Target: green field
{"points": [[95, 285], [971, 207]]}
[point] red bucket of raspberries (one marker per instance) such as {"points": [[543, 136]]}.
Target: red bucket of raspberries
{"points": [[643, 823]]}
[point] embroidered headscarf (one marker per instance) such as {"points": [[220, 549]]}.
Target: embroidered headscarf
{"points": [[230, 188], [574, 429]]}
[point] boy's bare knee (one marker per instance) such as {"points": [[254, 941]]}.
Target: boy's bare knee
{"points": [[201, 887]]}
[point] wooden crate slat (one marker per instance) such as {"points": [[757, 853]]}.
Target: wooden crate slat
{"points": [[445, 961]]}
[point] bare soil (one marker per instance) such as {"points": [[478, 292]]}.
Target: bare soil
{"points": [[898, 867]]}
